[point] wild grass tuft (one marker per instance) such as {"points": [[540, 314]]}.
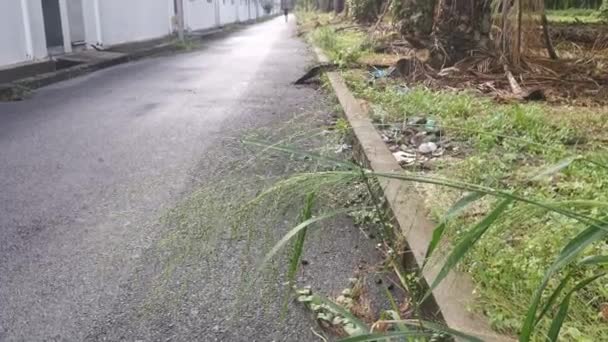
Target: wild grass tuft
{"points": [[503, 144]]}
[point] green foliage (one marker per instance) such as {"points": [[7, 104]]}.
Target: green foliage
{"points": [[364, 10], [572, 4], [604, 10], [298, 247], [343, 128], [344, 48], [503, 144], [576, 15]]}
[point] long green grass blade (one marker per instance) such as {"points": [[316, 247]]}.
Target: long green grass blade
{"points": [[588, 261], [342, 312], [443, 329], [388, 336], [395, 311], [298, 247], [490, 191], [553, 298], [558, 321], [555, 168], [293, 232], [438, 181], [466, 243], [569, 253], [291, 150], [594, 260], [454, 211]]}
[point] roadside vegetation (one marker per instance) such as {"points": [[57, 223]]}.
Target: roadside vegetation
{"points": [[574, 15], [535, 243]]}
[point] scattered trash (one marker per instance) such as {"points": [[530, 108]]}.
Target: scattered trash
{"points": [[404, 157], [402, 89], [438, 153], [430, 125], [382, 73], [378, 112], [416, 120], [343, 148], [419, 141], [327, 315], [427, 148]]}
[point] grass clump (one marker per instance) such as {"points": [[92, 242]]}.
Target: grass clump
{"points": [[344, 48], [583, 15], [504, 144]]}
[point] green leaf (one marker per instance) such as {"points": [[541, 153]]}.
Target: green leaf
{"points": [[568, 253], [298, 247], [594, 260], [555, 168], [443, 329], [293, 232], [342, 312], [291, 150], [395, 311], [454, 211], [466, 242], [490, 191], [553, 298], [388, 336], [558, 321]]}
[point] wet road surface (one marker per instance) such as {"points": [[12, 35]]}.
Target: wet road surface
{"points": [[87, 166]]}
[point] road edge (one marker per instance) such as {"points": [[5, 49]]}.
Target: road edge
{"points": [[454, 294]]}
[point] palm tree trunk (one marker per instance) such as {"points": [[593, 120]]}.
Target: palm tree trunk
{"points": [[451, 28]]}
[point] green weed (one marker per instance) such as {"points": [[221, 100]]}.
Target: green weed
{"points": [[504, 143], [582, 15], [344, 48]]}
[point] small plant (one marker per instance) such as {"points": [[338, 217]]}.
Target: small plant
{"points": [[344, 48], [604, 10], [343, 128]]}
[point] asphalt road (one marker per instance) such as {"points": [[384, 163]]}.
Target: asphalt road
{"points": [[88, 166]]}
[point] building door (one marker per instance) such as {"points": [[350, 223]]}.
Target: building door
{"points": [[52, 23]]}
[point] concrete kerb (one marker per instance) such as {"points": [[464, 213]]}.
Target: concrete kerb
{"points": [[455, 293], [153, 48]]}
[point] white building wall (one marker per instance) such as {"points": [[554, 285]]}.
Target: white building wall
{"points": [[133, 20], [13, 40], [37, 29], [243, 10], [12, 36], [199, 14], [254, 11], [227, 11]]}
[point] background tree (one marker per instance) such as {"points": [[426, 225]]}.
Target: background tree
{"points": [[338, 6]]}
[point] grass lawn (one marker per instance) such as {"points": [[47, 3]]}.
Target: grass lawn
{"points": [[504, 145], [574, 15]]}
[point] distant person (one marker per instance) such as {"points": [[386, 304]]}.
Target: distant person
{"points": [[286, 5]]}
